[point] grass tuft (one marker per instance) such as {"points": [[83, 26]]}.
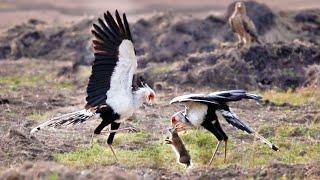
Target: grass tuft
{"points": [[164, 68], [37, 115], [54, 176], [299, 97]]}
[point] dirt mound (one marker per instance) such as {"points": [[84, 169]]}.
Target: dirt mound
{"points": [[277, 65], [197, 46], [313, 75], [36, 39], [18, 146]]}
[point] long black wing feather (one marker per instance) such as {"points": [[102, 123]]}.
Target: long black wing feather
{"points": [[108, 36], [233, 119], [221, 97]]}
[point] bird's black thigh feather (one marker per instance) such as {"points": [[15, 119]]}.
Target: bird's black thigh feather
{"points": [[108, 116], [114, 126], [216, 130]]}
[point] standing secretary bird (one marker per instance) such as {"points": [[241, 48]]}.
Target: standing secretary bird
{"points": [[110, 91], [200, 110]]}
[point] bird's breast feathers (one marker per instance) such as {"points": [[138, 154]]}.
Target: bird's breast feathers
{"points": [[122, 103], [237, 24], [197, 113]]}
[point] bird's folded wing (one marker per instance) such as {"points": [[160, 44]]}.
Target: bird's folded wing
{"points": [[114, 58], [220, 97], [233, 119], [201, 98], [232, 95], [232, 25], [249, 27]]}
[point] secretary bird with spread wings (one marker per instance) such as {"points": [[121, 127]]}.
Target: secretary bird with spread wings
{"points": [[200, 110], [110, 91]]}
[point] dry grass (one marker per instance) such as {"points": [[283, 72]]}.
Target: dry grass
{"points": [[299, 97]]}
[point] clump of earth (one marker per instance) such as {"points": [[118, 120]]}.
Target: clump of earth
{"points": [[203, 50]]}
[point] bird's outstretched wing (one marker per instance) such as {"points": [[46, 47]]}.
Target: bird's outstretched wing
{"points": [[250, 28], [220, 97], [114, 58]]}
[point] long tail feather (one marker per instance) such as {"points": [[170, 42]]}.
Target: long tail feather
{"points": [[235, 121], [264, 140], [66, 119]]}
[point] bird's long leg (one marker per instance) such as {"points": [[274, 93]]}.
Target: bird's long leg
{"points": [[240, 41], [225, 150], [114, 127], [214, 153], [114, 154], [91, 141]]}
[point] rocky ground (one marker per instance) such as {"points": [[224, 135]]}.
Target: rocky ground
{"points": [[44, 71]]}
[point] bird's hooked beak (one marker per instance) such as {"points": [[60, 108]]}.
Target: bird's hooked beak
{"points": [[151, 98], [240, 7], [177, 123]]}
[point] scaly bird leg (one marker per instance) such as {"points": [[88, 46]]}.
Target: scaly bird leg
{"points": [[91, 141], [214, 153], [225, 150], [114, 154]]}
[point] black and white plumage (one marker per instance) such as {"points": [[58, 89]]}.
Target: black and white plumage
{"points": [[110, 92], [201, 111]]}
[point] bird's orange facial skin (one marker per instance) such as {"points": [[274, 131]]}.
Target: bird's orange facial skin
{"points": [[178, 124], [151, 97], [174, 121]]}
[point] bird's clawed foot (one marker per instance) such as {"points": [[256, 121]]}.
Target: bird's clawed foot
{"points": [[129, 129]]}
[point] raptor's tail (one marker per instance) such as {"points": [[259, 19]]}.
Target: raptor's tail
{"points": [[66, 119]]}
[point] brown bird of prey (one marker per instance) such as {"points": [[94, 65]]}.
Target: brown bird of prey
{"points": [[242, 25]]}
